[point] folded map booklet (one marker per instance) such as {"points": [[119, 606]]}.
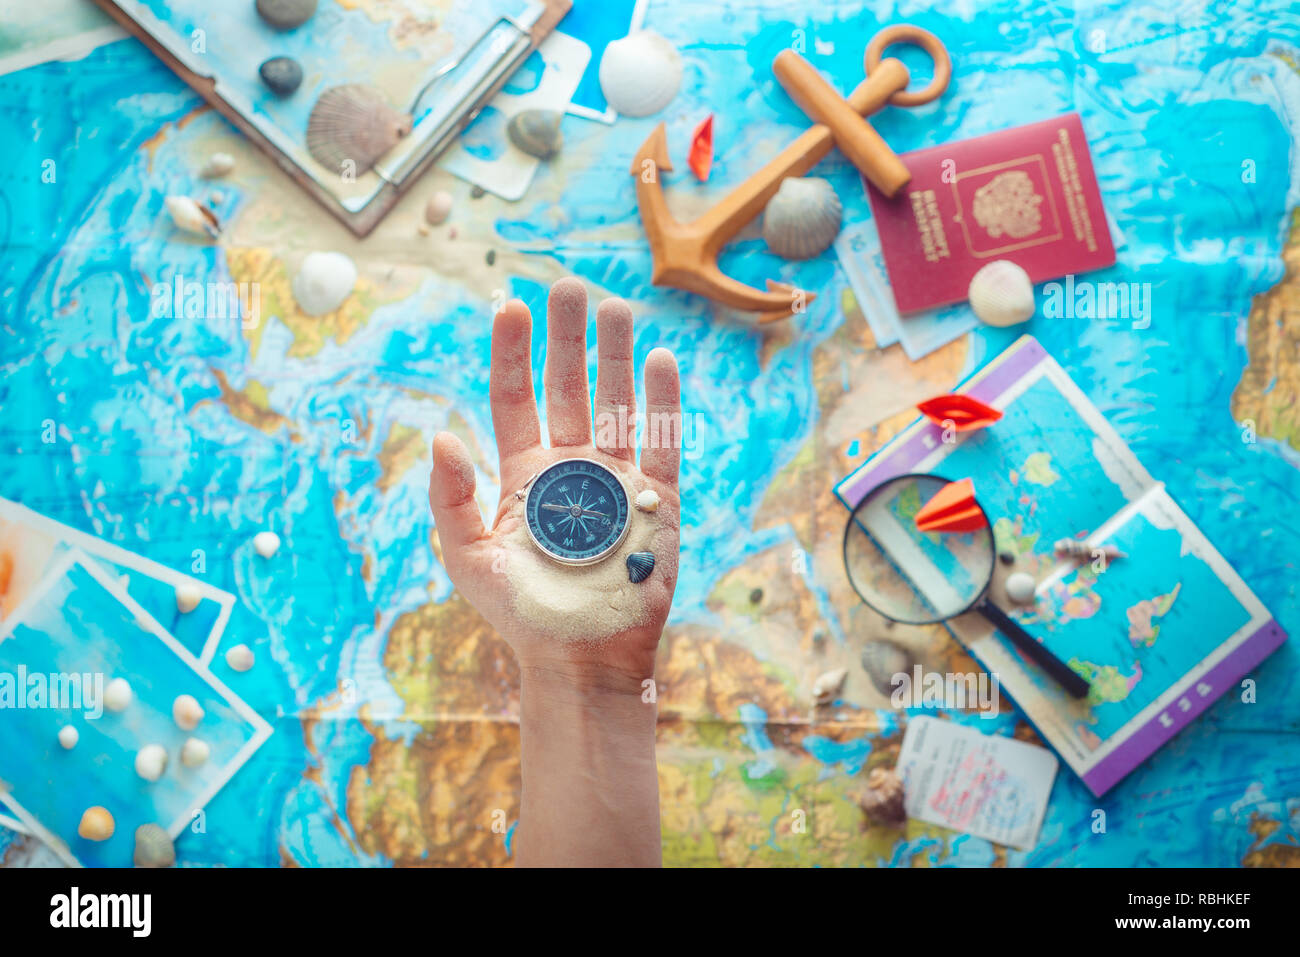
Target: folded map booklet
{"points": [[1159, 634]]}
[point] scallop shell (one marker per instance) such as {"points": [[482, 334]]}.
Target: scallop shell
{"points": [[1001, 294], [881, 660], [323, 281], [192, 216], [187, 712], [803, 218], [536, 132], [639, 566], [96, 824], [153, 847], [353, 123], [151, 762], [640, 73]]}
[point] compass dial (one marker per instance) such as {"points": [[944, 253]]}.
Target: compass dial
{"points": [[577, 511]]}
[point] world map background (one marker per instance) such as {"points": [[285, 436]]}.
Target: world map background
{"points": [[393, 703]]}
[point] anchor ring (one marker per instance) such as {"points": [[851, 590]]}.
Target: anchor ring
{"points": [[927, 41]]}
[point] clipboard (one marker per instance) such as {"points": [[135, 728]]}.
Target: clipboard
{"points": [[495, 38]]}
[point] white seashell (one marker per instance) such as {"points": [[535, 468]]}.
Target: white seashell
{"points": [[192, 216], [188, 597], [438, 208], [68, 737], [828, 685], [240, 657], [882, 660], [266, 544], [803, 218], [96, 824], [1001, 294], [153, 847], [351, 126], [117, 696], [218, 165], [640, 73], [186, 712], [323, 281], [1020, 587], [151, 761], [195, 752], [647, 500]]}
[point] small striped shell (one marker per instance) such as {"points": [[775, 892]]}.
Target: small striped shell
{"points": [[881, 660], [803, 218], [153, 847], [639, 566], [353, 124], [640, 73]]}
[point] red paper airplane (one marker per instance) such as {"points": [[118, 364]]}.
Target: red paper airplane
{"points": [[962, 411], [700, 159], [953, 509]]}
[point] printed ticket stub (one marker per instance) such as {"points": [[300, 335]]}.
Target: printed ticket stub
{"points": [[1027, 194], [992, 787]]}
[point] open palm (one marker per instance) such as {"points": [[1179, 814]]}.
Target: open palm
{"points": [[554, 615]]}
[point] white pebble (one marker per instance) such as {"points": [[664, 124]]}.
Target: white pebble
{"points": [[647, 500], [219, 164], [266, 544], [240, 657], [438, 208], [188, 597], [117, 696], [195, 752], [151, 761], [1001, 294], [1020, 587], [186, 712], [68, 737]]}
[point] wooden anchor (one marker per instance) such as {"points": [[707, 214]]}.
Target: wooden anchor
{"points": [[685, 255]]}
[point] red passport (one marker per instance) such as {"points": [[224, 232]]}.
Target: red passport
{"points": [[1027, 194]]}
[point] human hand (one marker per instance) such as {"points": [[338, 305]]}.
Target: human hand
{"points": [[588, 622]]}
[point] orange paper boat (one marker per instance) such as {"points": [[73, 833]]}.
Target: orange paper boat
{"points": [[953, 509], [700, 158], [964, 412]]}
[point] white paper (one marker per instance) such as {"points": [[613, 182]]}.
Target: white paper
{"points": [[989, 786]]}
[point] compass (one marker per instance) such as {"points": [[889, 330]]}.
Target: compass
{"points": [[576, 511]]}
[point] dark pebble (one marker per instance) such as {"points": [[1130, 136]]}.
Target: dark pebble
{"points": [[1007, 558], [478, 192], [281, 74], [491, 257], [286, 14], [756, 595]]}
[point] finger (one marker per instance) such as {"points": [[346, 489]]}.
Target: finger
{"points": [[451, 495], [514, 408], [568, 402], [662, 440], [615, 381]]}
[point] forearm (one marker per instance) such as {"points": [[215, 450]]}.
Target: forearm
{"points": [[590, 783]]}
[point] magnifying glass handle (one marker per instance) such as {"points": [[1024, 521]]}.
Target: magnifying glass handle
{"points": [[1064, 675]]}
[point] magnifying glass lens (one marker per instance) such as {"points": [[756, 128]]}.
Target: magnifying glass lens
{"points": [[908, 575]]}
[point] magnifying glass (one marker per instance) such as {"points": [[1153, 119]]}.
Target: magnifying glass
{"points": [[920, 578]]}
